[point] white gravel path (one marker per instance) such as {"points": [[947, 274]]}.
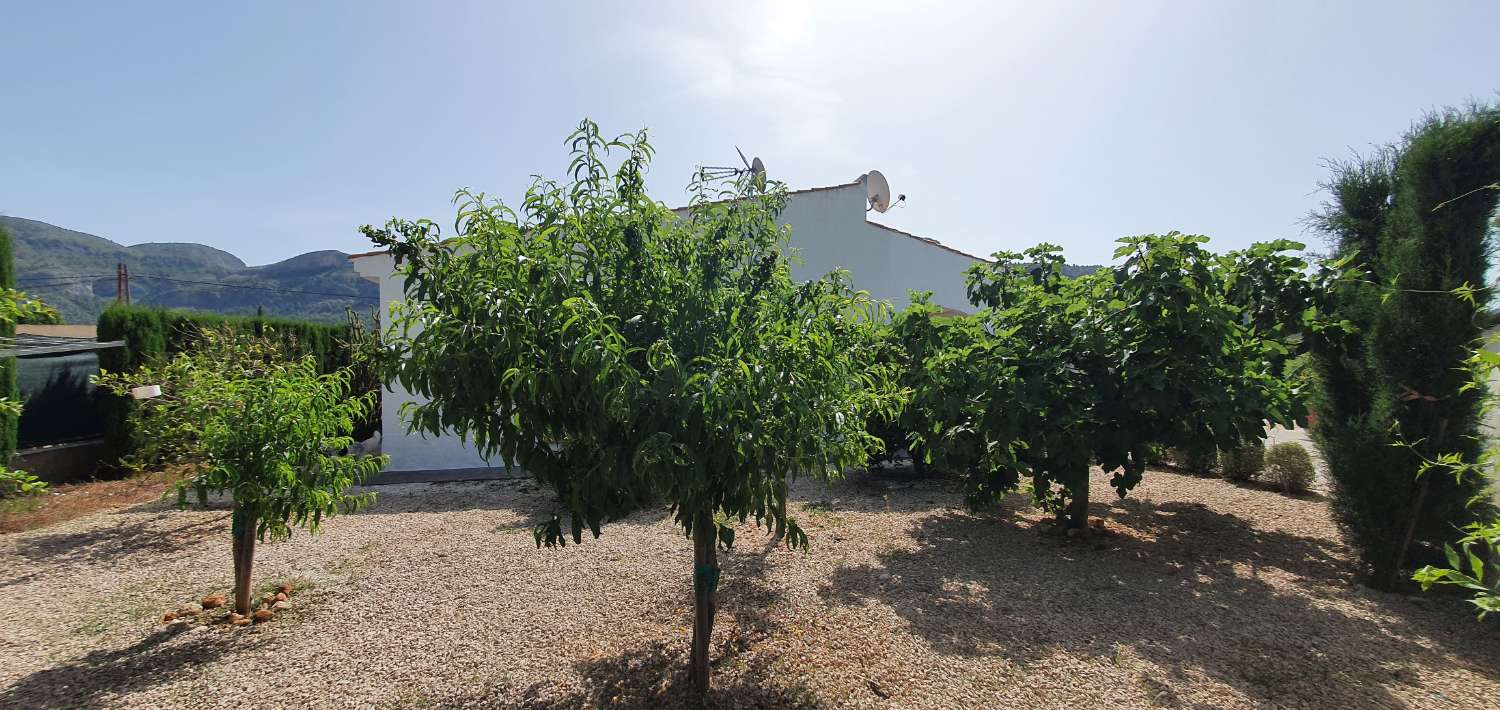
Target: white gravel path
{"points": [[1204, 595]]}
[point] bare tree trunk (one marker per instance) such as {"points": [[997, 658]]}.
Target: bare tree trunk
{"points": [[705, 582], [243, 530]]}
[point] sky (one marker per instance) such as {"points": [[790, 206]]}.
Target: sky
{"points": [[271, 129]]}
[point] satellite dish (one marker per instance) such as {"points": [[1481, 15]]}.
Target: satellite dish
{"points": [[757, 167], [878, 191]]}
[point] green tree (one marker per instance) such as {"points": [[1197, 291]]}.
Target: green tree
{"points": [[623, 353], [1175, 347], [931, 357], [1417, 218], [255, 426]]}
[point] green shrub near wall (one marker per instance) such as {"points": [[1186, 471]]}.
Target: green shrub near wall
{"points": [[8, 384], [154, 334]]}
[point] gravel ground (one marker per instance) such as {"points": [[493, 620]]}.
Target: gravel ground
{"points": [[1202, 594]]}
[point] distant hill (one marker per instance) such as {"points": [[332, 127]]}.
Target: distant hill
{"points": [[50, 262], [1073, 271]]}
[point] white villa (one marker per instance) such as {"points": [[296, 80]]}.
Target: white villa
{"points": [[830, 227]]}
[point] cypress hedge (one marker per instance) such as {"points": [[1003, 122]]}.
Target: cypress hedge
{"points": [[1420, 220]]}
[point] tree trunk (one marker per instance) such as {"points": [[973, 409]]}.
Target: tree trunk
{"points": [[705, 582], [243, 530], [1392, 582], [1078, 506]]}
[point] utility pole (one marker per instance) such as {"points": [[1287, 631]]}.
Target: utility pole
{"points": [[122, 283]]}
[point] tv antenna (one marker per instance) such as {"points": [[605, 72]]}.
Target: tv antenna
{"points": [[755, 167], [878, 192]]}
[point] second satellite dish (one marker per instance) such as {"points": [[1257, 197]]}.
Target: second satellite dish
{"points": [[878, 191]]}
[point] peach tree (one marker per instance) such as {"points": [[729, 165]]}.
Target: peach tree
{"points": [[248, 422], [625, 354]]}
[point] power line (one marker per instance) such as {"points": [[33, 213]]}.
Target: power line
{"points": [[73, 278], [63, 277], [56, 283], [258, 288]]}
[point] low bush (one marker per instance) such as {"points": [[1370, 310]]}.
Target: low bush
{"points": [[1202, 463], [1243, 463], [1290, 466]]}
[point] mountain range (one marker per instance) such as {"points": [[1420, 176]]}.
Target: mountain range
{"points": [[75, 272]]}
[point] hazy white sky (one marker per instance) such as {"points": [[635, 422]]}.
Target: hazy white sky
{"points": [[272, 129]]}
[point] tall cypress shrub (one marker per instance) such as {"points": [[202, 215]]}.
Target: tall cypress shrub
{"points": [[9, 388], [1421, 222]]}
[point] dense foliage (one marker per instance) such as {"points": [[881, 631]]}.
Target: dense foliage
{"points": [[1418, 220], [1474, 564], [254, 424], [1175, 347], [622, 352], [156, 335], [153, 335]]}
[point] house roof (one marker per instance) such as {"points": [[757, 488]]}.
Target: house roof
{"points": [[23, 345], [925, 240]]}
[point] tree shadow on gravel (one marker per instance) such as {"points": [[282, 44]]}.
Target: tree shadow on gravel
{"points": [[522, 496], [162, 534], [1169, 593], [101, 677], [654, 674]]}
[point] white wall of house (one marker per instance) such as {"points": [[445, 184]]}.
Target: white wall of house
{"points": [[408, 452], [829, 228]]}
